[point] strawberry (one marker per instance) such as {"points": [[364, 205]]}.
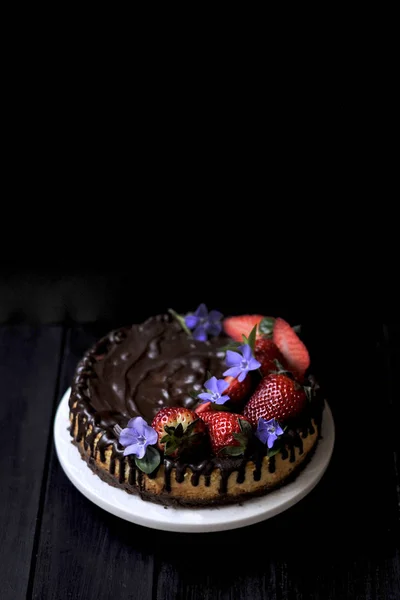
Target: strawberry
{"points": [[236, 327], [276, 397], [266, 352], [290, 345], [237, 390], [203, 407], [178, 428], [229, 432]]}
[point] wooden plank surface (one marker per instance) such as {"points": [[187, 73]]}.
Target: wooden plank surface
{"points": [[340, 542], [85, 553], [29, 359]]}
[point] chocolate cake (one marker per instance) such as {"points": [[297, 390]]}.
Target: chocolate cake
{"points": [[141, 370]]}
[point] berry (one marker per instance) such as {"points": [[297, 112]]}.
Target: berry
{"points": [[178, 428], [203, 407], [236, 327], [229, 432], [276, 397], [266, 352], [292, 348], [237, 390]]}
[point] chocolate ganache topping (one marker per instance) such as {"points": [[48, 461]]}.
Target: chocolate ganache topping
{"points": [[155, 364]]}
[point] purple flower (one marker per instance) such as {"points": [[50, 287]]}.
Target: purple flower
{"points": [[204, 323], [215, 388], [242, 363], [137, 436], [268, 431]]}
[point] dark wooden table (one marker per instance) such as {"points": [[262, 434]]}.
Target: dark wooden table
{"points": [[342, 541]]}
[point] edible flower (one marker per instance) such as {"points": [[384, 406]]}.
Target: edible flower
{"points": [[215, 388], [241, 362], [268, 431], [136, 436], [204, 323]]}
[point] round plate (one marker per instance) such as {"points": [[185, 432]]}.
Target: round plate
{"points": [[134, 509]]}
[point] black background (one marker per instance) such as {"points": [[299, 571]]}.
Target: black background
{"points": [[99, 231]]}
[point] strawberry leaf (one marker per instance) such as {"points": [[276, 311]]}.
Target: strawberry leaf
{"points": [[266, 326], [309, 392], [179, 431], [251, 340], [191, 427], [171, 445], [245, 427], [169, 429], [232, 450], [150, 460]]}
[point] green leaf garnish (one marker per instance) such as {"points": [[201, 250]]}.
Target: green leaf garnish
{"points": [[231, 346], [272, 451], [181, 321], [150, 460], [266, 326]]}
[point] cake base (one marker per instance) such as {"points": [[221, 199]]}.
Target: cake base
{"points": [[132, 508]]}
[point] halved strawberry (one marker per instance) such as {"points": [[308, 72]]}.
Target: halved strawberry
{"points": [[267, 352], [229, 432], [178, 428], [237, 390], [203, 407], [236, 327], [292, 348]]}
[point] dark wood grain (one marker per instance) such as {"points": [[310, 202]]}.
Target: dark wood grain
{"points": [[84, 552], [340, 542], [29, 359]]}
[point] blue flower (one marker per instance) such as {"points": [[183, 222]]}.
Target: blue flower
{"points": [[242, 363], [204, 323], [268, 431], [137, 436], [215, 388]]}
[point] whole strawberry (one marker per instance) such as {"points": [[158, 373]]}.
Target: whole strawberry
{"points": [[229, 432], [276, 397], [237, 390], [178, 429], [267, 352]]}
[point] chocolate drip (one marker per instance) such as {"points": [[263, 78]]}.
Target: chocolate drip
{"points": [[271, 464], [132, 471], [168, 464], [257, 470], [122, 466], [180, 470]]}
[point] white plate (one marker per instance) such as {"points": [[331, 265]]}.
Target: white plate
{"points": [[134, 509]]}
